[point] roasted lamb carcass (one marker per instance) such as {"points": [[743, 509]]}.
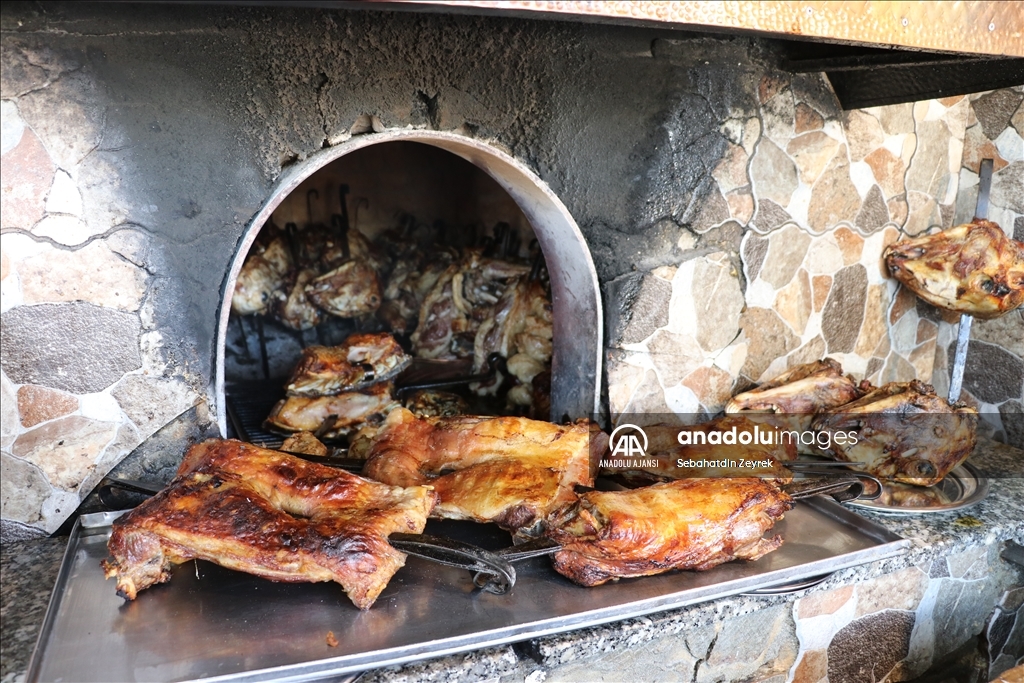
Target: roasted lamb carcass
{"points": [[797, 394], [269, 514], [508, 470], [331, 417], [363, 359], [903, 431], [684, 524], [262, 278], [972, 268], [350, 290]]}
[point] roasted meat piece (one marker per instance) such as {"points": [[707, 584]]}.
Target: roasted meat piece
{"points": [[903, 432], [331, 417], [433, 403], [262, 277], [295, 310], [352, 289], [269, 514], [973, 268], [363, 359], [684, 524], [508, 470], [304, 443], [797, 394]]}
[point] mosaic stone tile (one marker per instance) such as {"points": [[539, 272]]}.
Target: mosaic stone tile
{"points": [[874, 327], [811, 667], [793, 302], [752, 646], [778, 116], [768, 338], [824, 255], [995, 109], [902, 590], [850, 244], [1008, 188], [1017, 120], [731, 171], [39, 404], [873, 212], [754, 250], [844, 309], [674, 355], [922, 213], [712, 386], [713, 211], [1006, 331], [978, 147], [770, 86], [863, 133], [751, 134], [24, 490], [870, 647], [904, 333], [769, 215], [808, 353], [897, 369], [923, 359], [65, 450], [623, 379], [834, 197], [786, 252], [64, 196], [151, 402], [774, 173], [898, 210], [741, 205], [92, 274], [811, 152], [718, 300], [638, 304], [28, 174], [896, 118], [807, 118], [888, 170], [820, 286], [929, 171], [988, 386]]}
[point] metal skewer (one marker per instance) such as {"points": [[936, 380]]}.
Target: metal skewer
{"points": [[963, 337]]}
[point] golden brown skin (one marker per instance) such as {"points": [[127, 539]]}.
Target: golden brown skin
{"points": [[364, 359], [797, 394], [435, 403], [508, 470], [262, 277], [294, 309], [304, 443], [684, 524], [342, 414], [352, 289], [268, 514], [904, 432], [972, 268]]}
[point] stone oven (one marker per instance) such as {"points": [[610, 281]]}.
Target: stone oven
{"points": [[710, 214]]}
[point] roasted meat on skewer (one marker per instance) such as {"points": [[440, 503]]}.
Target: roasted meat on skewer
{"points": [[269, 514], [684, 524], [507, 470], [262, 277], [295, 310], [904, 432], [352, 289], [331, 417], [363, 359], [973, 268], [797, 394]]}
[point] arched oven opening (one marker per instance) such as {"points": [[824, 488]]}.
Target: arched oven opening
{"points": [[445, 270]]}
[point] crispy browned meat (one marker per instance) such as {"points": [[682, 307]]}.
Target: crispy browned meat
{"points": [[684, 524], [508, 470], [304, 443], [269, 514], [262, 277], [363, 359], [973, 268], [434, 403], [294, 309], [797, 394], [332, 416], [350, 290], [904, 432]]}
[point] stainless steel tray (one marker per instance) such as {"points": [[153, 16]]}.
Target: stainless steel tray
{"points": [[964, 486], [213, 624]]}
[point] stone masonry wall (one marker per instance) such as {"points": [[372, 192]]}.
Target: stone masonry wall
{"points": [[994, 376], [734, 213]]}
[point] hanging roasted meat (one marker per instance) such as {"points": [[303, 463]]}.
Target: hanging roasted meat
{"points": [[411, 280], [331, 417], [350, 290], [508, 470], [269, 514], [294, 309], [797, 394], [972, 268], [685, 524], [262, 278], [363, 359], [904, 431]]}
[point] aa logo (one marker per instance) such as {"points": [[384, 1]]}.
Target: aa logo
{"points": [[626, 441]]}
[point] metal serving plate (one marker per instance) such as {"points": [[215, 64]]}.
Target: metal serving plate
{"points": [[962, 487], [213, 624]]}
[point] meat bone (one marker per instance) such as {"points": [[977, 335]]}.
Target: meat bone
{"points": [[492, 572]]}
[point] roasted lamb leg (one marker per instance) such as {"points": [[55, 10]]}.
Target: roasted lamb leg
{"points": [[331, 417], [903, 431], [973, 268], [684, 524], [269, 514], [797, 394], [508, 470], [362, 360]]}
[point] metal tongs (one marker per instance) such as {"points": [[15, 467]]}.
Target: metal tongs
{"points": [[822, 478], [492, 573], [495, 364]]}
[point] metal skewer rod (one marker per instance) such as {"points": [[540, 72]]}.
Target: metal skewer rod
{"points": [[963, 337]]}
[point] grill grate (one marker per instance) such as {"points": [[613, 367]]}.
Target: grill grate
{"points": [[248, 404]]}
